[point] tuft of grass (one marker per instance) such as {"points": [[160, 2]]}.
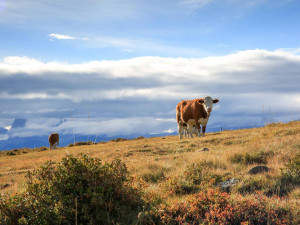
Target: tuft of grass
{"points": [[198, 172], [155, 173]]}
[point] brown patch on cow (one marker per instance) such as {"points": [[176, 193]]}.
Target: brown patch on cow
{"points": [[181, 104], [53, 139], [216, 100], [193, 110]]}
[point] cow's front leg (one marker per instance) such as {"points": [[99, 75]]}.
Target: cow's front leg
{"points": [[190, 129], [203, 130], [198, 129]]}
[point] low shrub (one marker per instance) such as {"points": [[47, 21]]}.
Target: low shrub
{"points": [[215, 207], [79, 189]]}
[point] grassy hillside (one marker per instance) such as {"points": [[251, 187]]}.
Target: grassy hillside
{"points": [[172, 169]]}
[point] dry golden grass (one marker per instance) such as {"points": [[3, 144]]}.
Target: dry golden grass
{"points": [[169, 157]]}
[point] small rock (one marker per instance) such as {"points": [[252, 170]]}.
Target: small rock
{"points": [[226, 185], [5, 186], [259, 169], [203, 150]]}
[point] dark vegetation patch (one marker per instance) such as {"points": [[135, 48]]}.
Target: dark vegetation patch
{"points": [[139, 138], [80, 143], [287, 132], [16, 151], [42, 149], [119, 139], [250, 186], [251, 158]]}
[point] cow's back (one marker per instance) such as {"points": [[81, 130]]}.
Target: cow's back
{"points": [[181, 105]]}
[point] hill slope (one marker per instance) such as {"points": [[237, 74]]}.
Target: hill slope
{"points": [[170, 165]]}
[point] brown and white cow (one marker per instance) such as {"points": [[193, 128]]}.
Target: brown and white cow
{"points": [[53, 140], [182, 126], [194, 112]]}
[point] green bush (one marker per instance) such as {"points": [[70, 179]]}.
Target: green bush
{"points": [[81, 189]]}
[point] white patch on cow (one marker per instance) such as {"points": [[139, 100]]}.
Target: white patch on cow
{"points": [[191, 122], [203, 121]]}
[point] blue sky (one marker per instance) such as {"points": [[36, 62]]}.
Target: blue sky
{"points": [[125, 29], [132, 61]]}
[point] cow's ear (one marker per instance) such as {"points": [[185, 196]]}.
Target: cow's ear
{"points": [[215, 100], [201, 101]]}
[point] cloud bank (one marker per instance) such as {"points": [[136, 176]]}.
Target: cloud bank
{"points": [[140, 94]]}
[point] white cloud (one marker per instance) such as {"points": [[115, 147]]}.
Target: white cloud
{"points": [[150, 77], [8, 127], [62, 37], [4, 137], [65, 37], [93, 126], [196, 3], [148, 89]]}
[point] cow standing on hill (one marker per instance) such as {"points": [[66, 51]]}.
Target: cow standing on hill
{"points": [[53, 140], [194, 112], [182, 126]]}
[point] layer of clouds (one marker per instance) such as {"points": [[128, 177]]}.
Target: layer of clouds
{"points": [[140, 94]]}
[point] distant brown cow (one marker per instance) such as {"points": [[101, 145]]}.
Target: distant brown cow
{"points": [[53, 140], [194, 112]]}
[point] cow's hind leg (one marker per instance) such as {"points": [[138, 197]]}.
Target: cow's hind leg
{"points": [[180, 131]]}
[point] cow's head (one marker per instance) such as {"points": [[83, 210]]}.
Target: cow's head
{"points": [[208, 103]]}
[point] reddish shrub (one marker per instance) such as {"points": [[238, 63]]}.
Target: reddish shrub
{"points": [[215, 207]]}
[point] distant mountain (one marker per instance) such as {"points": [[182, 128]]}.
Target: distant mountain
{"points": [[64, 140], [18, 123]]}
